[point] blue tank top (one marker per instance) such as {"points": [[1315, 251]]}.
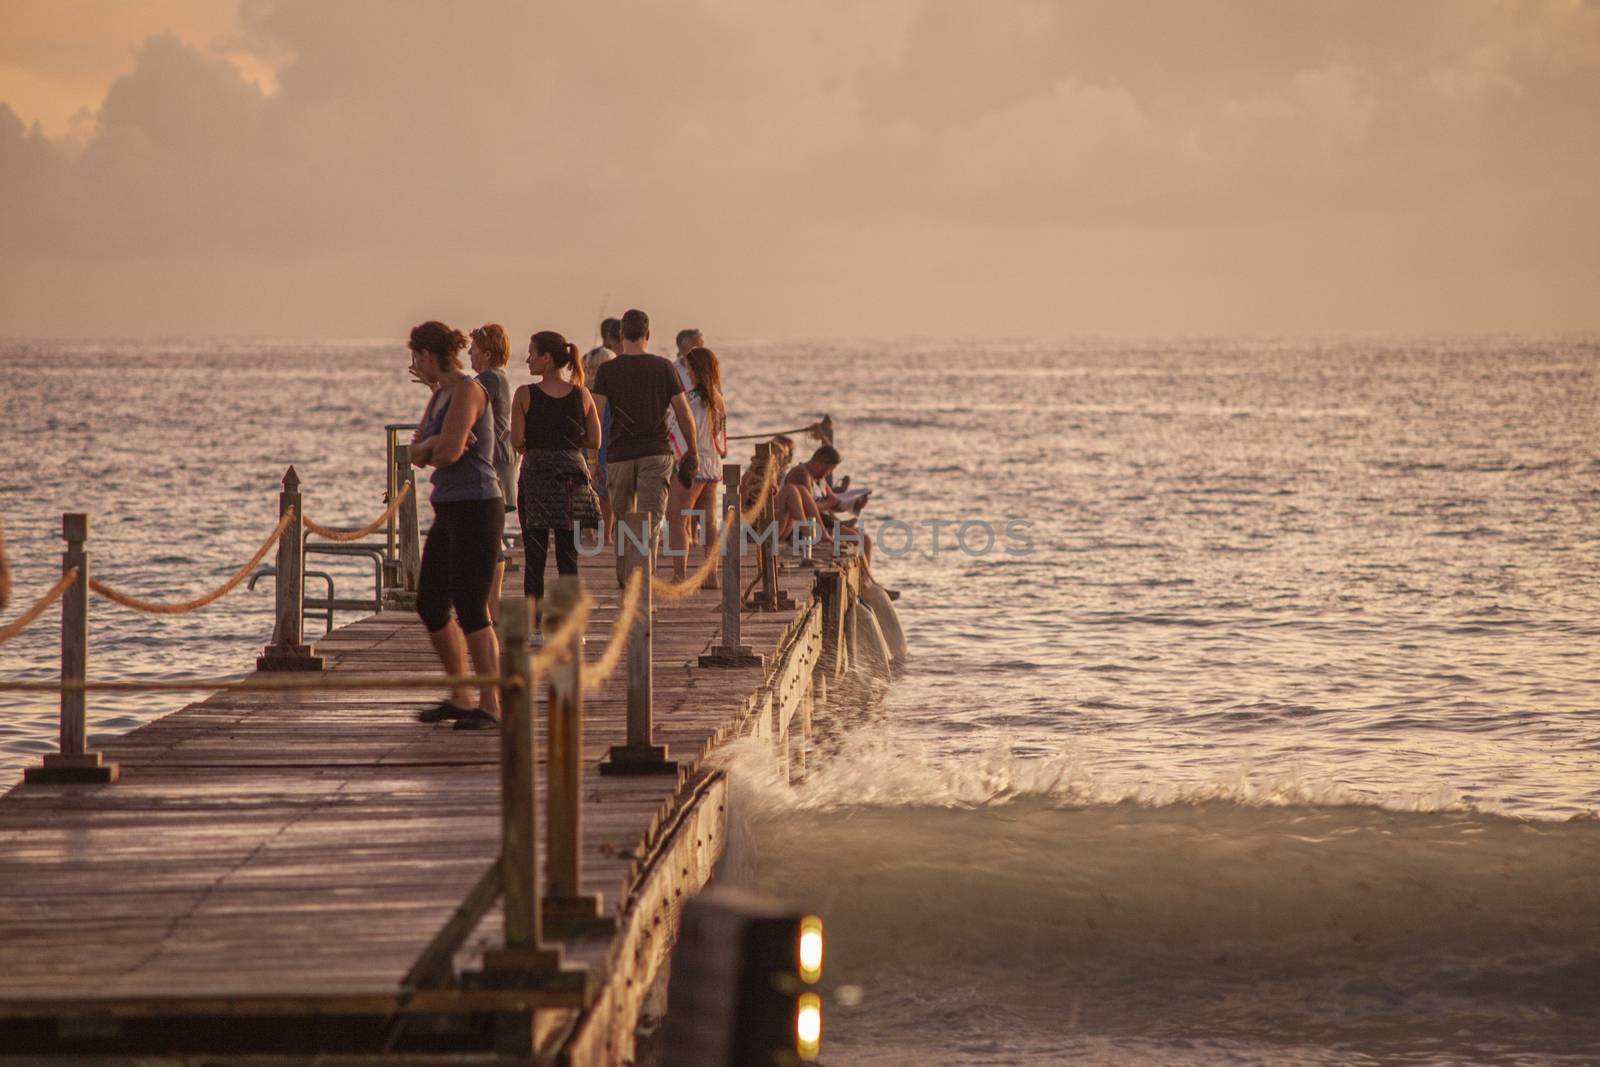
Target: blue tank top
{"points": [[472, 477]]}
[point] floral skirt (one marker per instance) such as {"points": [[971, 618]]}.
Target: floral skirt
{"points": [[554, 492]]}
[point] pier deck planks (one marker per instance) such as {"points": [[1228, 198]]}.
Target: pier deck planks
{"points": [[312, 844]]}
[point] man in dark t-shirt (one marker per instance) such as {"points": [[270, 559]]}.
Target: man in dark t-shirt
{"points": [[638, 389]]}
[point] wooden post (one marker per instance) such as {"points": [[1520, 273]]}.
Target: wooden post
{"points": [[288, 650], [567, 912], [635, 537], [766, 554], [74, 763], [391, 557], [409, 546], [731, 651], [832, 590], [525, 961]]}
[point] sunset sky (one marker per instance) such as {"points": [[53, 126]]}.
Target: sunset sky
{"points": [[300, 168]]}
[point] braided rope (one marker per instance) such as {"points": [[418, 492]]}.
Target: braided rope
{"points": [[26, 619], [594, 679], [813, 430], [331, 534], [691, 585], [769, 475], [153, 608], [558, 643]]}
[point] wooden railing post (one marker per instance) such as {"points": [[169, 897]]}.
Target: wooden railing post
{"points": [[407, 536], [525, 961], [766, 551], [636, 539], [567, 911], [74, 763], [731, 651], [288, 650], [391, 558]]}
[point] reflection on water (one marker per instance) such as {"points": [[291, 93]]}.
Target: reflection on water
{"points": [[1304, 651]]}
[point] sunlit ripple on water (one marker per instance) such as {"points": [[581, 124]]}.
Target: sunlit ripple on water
{"points": [[1360, 574]]}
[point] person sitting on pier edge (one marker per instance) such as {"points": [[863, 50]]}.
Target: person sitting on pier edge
{"points": [[637, 389], [813, 474], [605, 352], [711, 444], [488, 355], [456, 439], [552, 421]]}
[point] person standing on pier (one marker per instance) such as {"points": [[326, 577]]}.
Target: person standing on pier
{"points": [[489, 353], [638, 388], [552, 421], [605, 352], [699, 497], [456, 438]]}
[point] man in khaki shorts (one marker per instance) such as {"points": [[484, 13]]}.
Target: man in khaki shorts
{"points": [[638, 389]]}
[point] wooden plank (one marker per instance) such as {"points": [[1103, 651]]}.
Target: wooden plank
{"points": [[308, 851]]}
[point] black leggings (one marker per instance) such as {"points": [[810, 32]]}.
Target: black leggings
{"points": [[458, 563], [536, 543]]}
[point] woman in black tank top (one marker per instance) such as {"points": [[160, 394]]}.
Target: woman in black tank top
{"points": [[552, 422]]}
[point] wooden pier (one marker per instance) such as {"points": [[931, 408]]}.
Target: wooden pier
{"points": [[291, 874]]}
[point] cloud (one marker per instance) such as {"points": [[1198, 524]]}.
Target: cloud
{"points": [[810, 166]]}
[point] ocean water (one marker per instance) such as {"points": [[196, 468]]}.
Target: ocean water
{"points": [[1273, 736]]}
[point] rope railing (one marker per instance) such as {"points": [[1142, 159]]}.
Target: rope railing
{"points": [[27, 618], [691, 585], [596, 676], [330, 534], [811, 430], [153, 608], [769, 476], [556, 646]]}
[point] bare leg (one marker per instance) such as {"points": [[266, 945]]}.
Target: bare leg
{"points": [[494, 592], [485, 649], [452, 649], [679, 500], [706, 498]]}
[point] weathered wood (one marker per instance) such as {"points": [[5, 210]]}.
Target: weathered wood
{"points": [[519, 786], [766, 554], [74, 763], [731, 651], [407, 524], [288, 650], [311, 847], [640, 754], [831, 591], [567, 910], [74, 634]]}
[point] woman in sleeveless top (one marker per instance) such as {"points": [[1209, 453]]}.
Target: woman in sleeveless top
{"points": [[489, 353], [710, 445], [552, 421], [456, 439]]}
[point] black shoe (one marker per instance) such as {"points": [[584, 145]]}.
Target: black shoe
{"points": [[477, 719], [441, 711]]}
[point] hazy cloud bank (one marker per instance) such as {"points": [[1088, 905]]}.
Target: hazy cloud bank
{"points": [[827, 168]]}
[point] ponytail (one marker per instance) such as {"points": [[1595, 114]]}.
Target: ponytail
{"points": [[575, 363], [561, 351]]}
